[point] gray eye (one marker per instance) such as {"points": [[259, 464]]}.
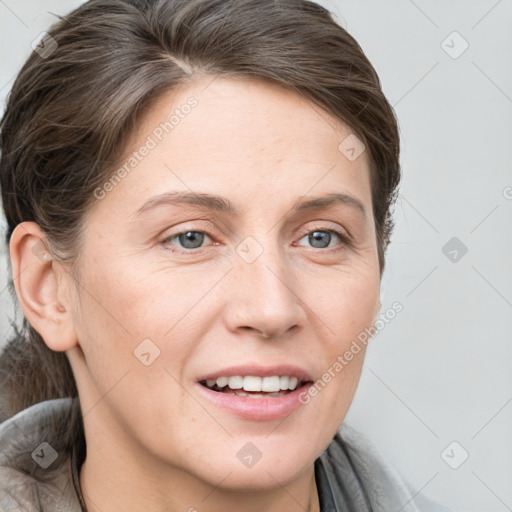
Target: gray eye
{"points": [[320, 239], [191, 239]]}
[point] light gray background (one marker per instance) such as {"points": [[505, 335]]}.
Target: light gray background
{"points": [[441, 370]]}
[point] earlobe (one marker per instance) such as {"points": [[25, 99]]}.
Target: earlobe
{"points": [[41, 287]]}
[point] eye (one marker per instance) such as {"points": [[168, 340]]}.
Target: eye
{"points": [[189, 240], [321, 237]]}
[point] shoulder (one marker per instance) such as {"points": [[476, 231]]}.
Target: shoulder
{"points": [[35, 459], [358, 478]]}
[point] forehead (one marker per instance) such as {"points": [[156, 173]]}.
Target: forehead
{"points": [[253, 111], [241, 135]]}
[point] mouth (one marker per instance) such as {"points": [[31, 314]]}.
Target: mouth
{"points": [[254, 392], [253, 386]]}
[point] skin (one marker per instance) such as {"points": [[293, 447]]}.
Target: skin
{"points": [[153, 443]]}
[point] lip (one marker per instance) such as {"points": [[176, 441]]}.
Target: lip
{"points": [[259, 371], [256, 409]]}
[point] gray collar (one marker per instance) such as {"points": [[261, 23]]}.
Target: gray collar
{"points": [[39, 472]]}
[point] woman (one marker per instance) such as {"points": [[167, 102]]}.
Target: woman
{"points": [[198, 195]]}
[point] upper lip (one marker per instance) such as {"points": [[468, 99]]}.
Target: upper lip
{"points": [[259, 371]]}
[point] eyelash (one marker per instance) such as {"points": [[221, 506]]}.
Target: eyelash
{"points": [[345, 240]]}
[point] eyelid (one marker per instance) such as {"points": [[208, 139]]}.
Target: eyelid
{"points": [[322, 226]]}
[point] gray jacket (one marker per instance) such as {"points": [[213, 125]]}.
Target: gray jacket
{"points": [[41, 474]]}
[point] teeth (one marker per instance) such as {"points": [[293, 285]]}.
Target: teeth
{"points": [[272, 384], [293, 383], [222, 381], [252, 383], [241, 392], [236, 382]]}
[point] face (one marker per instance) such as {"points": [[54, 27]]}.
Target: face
{"points": [[176, 293]]}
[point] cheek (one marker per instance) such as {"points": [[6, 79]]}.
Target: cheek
{"points": [[343, 301], [342, 308], [130, 345], [125, 305]]}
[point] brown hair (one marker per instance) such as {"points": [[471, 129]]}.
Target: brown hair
{"points": [[70, 113]]}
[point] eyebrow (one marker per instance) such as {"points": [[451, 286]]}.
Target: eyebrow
{"points": [[221, 204]]}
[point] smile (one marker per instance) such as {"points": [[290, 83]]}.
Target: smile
{"points": [[254, 386], [256, 393]]}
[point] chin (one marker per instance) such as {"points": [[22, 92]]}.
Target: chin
{"points": [[251, 463], [264, 475]]}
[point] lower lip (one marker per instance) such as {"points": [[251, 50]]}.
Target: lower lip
{"points": [[259, 409]]}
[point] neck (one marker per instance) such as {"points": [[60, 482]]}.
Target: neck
{"points": [[108, 488]]}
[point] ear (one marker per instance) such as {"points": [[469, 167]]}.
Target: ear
{"points": [[42, 286]]}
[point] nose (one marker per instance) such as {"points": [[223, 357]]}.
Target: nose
{"points": [[263, 297]]}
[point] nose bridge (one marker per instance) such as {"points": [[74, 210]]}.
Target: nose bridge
{"points": [[265, 297]]}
